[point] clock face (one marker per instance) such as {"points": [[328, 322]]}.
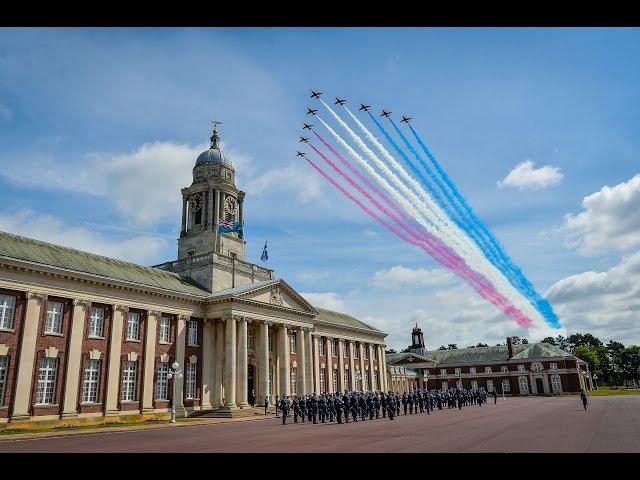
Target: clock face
{"points": [[196, 202], [230, 205]]}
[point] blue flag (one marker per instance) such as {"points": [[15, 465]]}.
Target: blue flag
{"points": [[265, 254], [225, 226]]}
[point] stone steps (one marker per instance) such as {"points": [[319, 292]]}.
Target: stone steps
{"points": [[238, 413]]}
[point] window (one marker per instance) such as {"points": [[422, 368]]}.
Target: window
{"points": [[472, 370], [356, 350], [504, 369], [4, 363], [193, 333], [322, 390], [457, 371], [53, 322], [334, 380], [459, 383], [133, 326], [190, 384], [427, 372], [321, 346], [251, 342], [292, 343], [506, 386], [165, 330], [524, 385], [293, 373], [162, 382], [555, 383], [96, 322], [445, 385], [366, 380], [270, 341], [91, 381], [553, 367], [346, 384], [374, 380], [536, 367], [490, 386], [443, 371], [7, 307], [346, 349], [365, 351], [129, 381], [375, 353], [45, 393], [334, 347], [474, 385], [270, 379], [358, 382], [521, 368]]}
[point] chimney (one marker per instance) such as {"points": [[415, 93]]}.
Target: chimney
{"points": [[510, 346]]}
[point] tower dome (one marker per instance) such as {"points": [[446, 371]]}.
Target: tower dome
{"points": [[214, 154]]}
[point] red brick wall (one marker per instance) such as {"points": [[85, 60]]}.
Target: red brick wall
{"points": [[13, 340], [102, 345], [61, 342]]}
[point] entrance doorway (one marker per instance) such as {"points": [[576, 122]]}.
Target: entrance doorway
{"points": [[539, 386], [251, 392]]}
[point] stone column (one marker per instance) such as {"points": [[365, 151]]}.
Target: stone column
{"points": [[181, 340], [184, 215], [263, 363], [218, 363], [308, 361], [242, 359], [22, 399], [382, 368], [113, 369], [74, 358], [284, 360], [352, 366], [301, 373], [208, 349], [210, 215], [230, 361], [216, 220], [316, 365], [150, 359], [341, 385], [372, 372], [361, 348]]}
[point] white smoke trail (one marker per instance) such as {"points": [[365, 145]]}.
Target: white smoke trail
{"points": [[436, 221]]}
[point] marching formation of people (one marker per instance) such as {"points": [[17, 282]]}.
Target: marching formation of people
{"points": [[330, 407]]}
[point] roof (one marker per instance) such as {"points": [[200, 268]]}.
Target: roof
{"points": [[494, 354], [399, 356], [36, 251], [213, 155], [244, 288], [329, 316]]}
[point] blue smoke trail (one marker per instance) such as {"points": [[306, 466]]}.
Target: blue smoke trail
{"points": [[513, 272]]}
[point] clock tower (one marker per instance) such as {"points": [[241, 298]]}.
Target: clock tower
{"points": [[211, 198]]}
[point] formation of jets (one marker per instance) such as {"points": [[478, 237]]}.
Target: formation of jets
{"points": [[340, 101]]}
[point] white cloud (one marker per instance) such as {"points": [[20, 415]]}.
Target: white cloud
{"points": [[138, 249], [5, 113], [328, 300], [525, 177], [606, 304], [293, 178], [610, 220], [399, 276]]}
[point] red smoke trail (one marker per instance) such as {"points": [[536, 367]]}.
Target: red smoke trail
{"points": [[433, 247]]}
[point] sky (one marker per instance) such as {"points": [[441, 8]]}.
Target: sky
{"points": [[100, 128]]}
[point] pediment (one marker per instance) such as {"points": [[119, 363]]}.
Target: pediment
{"points": [[276, 293]]}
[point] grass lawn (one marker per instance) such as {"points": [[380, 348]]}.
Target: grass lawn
{"points": [[602, 391], [11, 431]]}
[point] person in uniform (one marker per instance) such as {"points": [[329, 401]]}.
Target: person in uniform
{"points": [[285, 404], [408, 402], [362, 405], [585, 401], [331, 407], [495, 396], [404, 402], [376, 404], [346, 405], [322, 407], [296, 408], [314, 407], [338, 406], [391, 407], [303, 407], [354, 406], [266, 404], [383, 404]]}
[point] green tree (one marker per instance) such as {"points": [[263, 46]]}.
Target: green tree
{"points": [[480, 344], [589, 355], [549, 340], [442, 347], [391, 350], [580, 339], [452, 346], [614, 350], [630, 361]]}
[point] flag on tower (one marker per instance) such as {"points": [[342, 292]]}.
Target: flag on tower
{"points": [[265, 254], [227, 226]]}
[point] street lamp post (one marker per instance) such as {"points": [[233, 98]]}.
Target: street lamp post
{"points": [[174, 373]]}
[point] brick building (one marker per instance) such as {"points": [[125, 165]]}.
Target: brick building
{"points": [[530, 369]]}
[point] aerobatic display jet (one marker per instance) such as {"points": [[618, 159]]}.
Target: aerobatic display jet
{"points": [[305, 140], [339, 101], [364, 107], [405, 119], [315, 94], [300, 154], [307, 126], [385, 114], [311, 111]]}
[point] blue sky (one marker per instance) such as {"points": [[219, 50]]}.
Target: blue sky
{"points": [[99, 128]]}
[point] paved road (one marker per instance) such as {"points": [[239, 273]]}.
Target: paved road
{"points": [[557, 424]]}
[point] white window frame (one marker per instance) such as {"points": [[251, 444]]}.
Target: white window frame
{"points": [[536, 367], [322, 380], [47, 376], [490, 386], [270, 379], [4, 368], [504, 369], [96, 323], [523, 381], [162, 382], [472, 370], [292, 343], [366, 385], [270, 340], [53, 320], [356, 351], [165, 330], [251, 342], [293, 375], [556, 379], [7, 311], [345, 353], [365, 351], [192, 333], [443, 371], [321, 346], [190, 386], [445, 385], [129, 377], [521, 369], [346, 379], [474, 384], [334, 380], [334, 348], [553, 367], [133, 326], [506, 385], [488, 370], [457, 372], [91, 382]]}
